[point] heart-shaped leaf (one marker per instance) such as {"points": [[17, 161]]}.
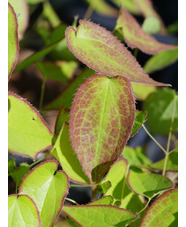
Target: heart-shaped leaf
{"points": [[161, 107], [139, 119], [103, 52], [22, 12], [135, 37], [60, 71], [142, 91], [99, 215], [48, 188], [67, 157], [28, 133], [163, 211], [172, 163], [101, 122], [66, 97], [119, 189], [22, 211], [62, 117], [147, 184], [161, 60], [13, 43]]}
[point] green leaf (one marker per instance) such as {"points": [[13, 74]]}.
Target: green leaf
{"points": [[163, 211], [101, 122], [66, 97], [62, 117], [28, 133], [142, 91], [34, 1], [151, 25], [161, 60], [139, 119], [100, 50], [22, 12], [161, 106], [99, 215], [129, 5], [136, 156], [48, 188], [172, 163], [67, 157], [135, 37], [60, 71], [119, 189], [147, 184], [22, 211], [106, 200], [103, 187], [102, 7], [19, 172], [13, 43]]}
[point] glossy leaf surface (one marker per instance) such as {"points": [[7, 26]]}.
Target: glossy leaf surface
{"points": [[99, 215], [136, 156], [142, 91], [48, 188], [22, 12], [101, 122], [172, 163], [66, 97], [147, 184], [119, 190], [67, 157], [100, 50], [139, 119], [161, 60], [60, 71], [163, 211], [161, 106], [22, 211], [13, 43], [28, 133], [135, 37], [62, 117]]}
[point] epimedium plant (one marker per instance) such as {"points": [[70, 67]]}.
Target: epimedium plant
{"points": [[97, 116]]}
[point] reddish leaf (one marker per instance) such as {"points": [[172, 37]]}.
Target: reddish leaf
{"points": [[135, 37], [101, 120], [103, 52]]}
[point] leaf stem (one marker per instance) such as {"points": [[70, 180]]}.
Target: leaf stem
{"points": [[144, 206], [39, 160], [50, 14], [42, 94], [165, 163], [135, 52], [153, 139], [72, 201]]}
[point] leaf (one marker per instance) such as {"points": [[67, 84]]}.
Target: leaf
{"points": [[13, 43], [161, 60], [119, 189], [103, 187], [136, 156], [28, 133], [142, 91], [139, 119], [19, 172], [147, 9], [62, 117], [22, 11], [151, 25], [99, 215], [160, 107], [22, 211], [100, 50], [147, 184], [60, 71], [67, 157], [48, 188], [135, 37], [163, 211], [102, 7], [129, 5], [66, 97], [34, 1], [172, 163], [101, 122], [106, 200]]}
